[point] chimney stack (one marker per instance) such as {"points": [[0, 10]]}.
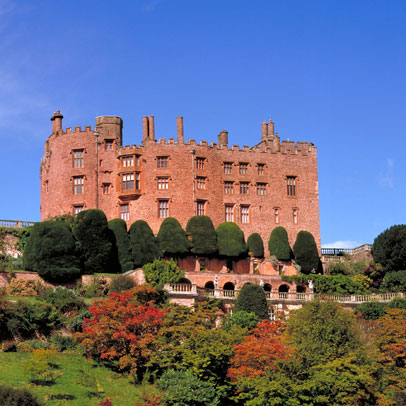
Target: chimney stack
{"points": [[56, 121], [223, 137], [264, 130], [151, 128], [145, 134], [179, 128], [270, 128]]}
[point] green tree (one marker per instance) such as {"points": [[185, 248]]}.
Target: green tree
{"points": [[201, 232], [255, 245], [394, 281], [241, 319], [120, 283], [371, 310], [230, 240], [160, 271], [389, 248], [91, 230], [122, 239], [305, 252], [278, 244], [17, 397], [251, 298], [144, 245], [172, 238], [52, 252]]}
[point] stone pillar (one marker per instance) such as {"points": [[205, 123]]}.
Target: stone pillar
{"points": [[145, 134], [151, 128], [57, 121], [179, 128]]}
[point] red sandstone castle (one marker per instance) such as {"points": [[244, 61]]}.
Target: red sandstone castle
{"points": [[272, 183]]}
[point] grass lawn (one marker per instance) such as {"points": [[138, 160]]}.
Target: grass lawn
{"points": [[80, 382]]}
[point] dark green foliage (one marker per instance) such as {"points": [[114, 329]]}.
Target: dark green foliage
{"points": [[63, 343], [17, 397], [389, 248], [376, 273], [182, 388], [65, 300], [242, 319], [230, 240], [255, 245], [371, 310], [251, 298], [122, 244], [120, 283], [305, 252], [52, 251], [76, 324], [397, 303], [201, 232], [144, 245], [172, 238], [394, 282], [278, 244], [160, 271], [23, 236], [91, 230]]}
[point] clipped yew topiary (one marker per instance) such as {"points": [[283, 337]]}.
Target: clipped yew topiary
{"points": [[230, 240], [251, 298], [202, 234], [278, 244], [52, 252], [255, 245], [306, 253], [122, 243], [172, 238], [144, 245], [91, 230]]}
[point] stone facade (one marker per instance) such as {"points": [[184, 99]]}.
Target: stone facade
{"points": [[272, 183]]}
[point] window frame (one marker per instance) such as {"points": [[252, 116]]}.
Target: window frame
{"points": [[78, 161], [162, 161], [125, 214], [291, 185], [163, 208], [244, 188], [245, 214], [229, 212], [243, 168], [78, 187]]}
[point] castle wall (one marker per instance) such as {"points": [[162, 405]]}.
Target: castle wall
{"points": [[195, 173]]}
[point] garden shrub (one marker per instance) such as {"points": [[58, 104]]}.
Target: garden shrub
{"points": [[172, 238], [394, 282], [65, 300], [389, 248], [251, 298], [122, 240], [41, 368], [76, 323], [397, 303], [62, 343], [255, 245], [230, 240], [120, 283], [278, 244], [91, 230], [305, 252], [182, 388], [97, 288], [144, 245], [371, 310], [37, 344], [161, 271], [376, 273], [52, 252], [24, 347], [201, 232], [17, 397], [242, 319], [22, 287]]}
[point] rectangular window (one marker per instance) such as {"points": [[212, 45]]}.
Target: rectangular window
{"points": [[125, 212], [291, 185], [77, 209], [106, 188], [294, 216], [137, 160], [128, 181], [228, 188], [163, 209], [228, 168], [163, 183], [78, 185], [261, 169], [261, 189], [162, 162], [78, 155], [245, 214], [243, 168], [200, 163], [128, 161], [229, 212], [201, 206], [108, 144], [201, 182], [244, 188], [276, 216], [137, 181]]}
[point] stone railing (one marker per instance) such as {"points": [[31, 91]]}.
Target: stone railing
{"points": [[345, 251], [185, 289], [15, 223]]}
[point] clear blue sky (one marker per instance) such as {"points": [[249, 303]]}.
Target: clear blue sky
{"points": [[329, 72]]}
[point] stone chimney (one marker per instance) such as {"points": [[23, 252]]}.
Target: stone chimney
{"points": [[223, 137], [264, 130], [270, 128], [57, 121], [151, 128], [144, 128], [179, 128]]}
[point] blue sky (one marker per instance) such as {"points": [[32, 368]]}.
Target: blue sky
{"points": [[329, 72]]}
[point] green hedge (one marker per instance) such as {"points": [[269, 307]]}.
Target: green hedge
{"points": [[252, 299], [172, 238], [202, 234], [278, 244], [255, 245], [230, 240]]}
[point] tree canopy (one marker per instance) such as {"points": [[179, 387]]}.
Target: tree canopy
{"points": [[251, 298], [202, 235], [278, 244], [255, 245], [230, 240], [172, 238], [305, 252], [122, 244]]}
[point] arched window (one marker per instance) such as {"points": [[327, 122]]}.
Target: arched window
{"points": [[267, 287], [300, 289], [209, 288], [228, 289], [283, 291]]}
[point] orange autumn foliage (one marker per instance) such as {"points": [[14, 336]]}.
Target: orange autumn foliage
{"points": [[258, 352]]}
